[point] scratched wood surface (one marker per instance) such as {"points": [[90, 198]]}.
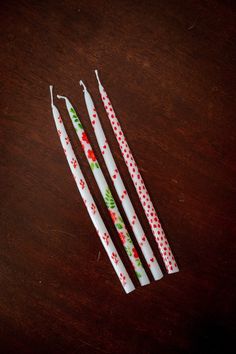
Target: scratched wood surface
{"points": [[169, 70]]}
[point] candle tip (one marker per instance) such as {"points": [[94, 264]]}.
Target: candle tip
{"points": [[82, 84], [96, 73], [51, 93], [63, 97]]}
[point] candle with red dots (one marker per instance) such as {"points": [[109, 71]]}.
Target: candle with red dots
{"points": [[140, 187], [90, 203], [120, 189]]}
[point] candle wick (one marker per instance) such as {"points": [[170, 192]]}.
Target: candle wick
{"points": [[82, 84], [96, 73], [63, 97], [51, 93]]}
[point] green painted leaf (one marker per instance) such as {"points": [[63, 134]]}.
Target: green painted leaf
{"points": [[120, 219], [92, 165], [109, 199], [128, 238], [119, 226], [138, 274], [96, 164], [138, 262], [80, 125], [128, 251]]}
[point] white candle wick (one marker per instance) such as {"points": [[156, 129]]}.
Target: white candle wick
{"points": [[82, 84], [51, 93], [63, 97], [96, 73]]}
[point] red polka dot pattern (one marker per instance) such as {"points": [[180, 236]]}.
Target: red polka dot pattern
{"points": [[143, 194]]}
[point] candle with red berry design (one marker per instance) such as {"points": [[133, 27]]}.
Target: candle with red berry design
{"points": [[141, 189], [89, 202], [120, 188], [107, 195]]}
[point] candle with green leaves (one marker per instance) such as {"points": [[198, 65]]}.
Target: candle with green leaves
{"points": [[107, 195]]}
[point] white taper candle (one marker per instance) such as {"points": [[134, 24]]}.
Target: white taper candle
{"points": [[90, 203]]}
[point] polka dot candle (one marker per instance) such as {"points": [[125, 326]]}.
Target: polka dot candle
{"points": [[140, 187]]}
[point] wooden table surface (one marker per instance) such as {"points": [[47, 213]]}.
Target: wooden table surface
{"points": [[169, 70]]}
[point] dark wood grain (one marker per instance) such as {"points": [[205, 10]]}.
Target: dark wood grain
{"points": [[169, 68]]}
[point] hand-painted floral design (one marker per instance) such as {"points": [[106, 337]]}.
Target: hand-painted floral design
{"points": [[122, 237], [75, 119], [109, 200], [113, 215], [115, 257], [82, 183], [94, 165], [93, 208], [59, 119], [95, 217], [85, 138], [74, 162], [123, 278], [91, 155], [67, 140], [135, 253], [106, 238]]}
